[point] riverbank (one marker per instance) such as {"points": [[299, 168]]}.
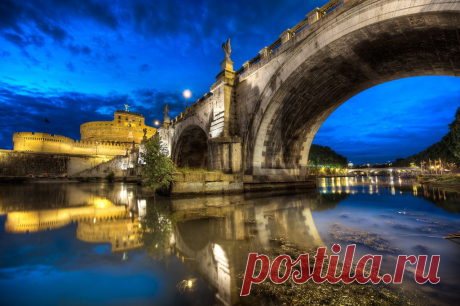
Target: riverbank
{"points": [[61, 179], [186, 183], [309, 293], [449, 182]]}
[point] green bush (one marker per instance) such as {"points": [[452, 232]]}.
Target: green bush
{"points": [[158, 167]]}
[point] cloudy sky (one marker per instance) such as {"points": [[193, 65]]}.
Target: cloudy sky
{"points": [[78, 61]]}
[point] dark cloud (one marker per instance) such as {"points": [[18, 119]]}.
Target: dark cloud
{"points": [[18, 17], [70, 66], [76, 49], [145, 68], [32, 59], [110, 57], [25, 40], [55, 31]]}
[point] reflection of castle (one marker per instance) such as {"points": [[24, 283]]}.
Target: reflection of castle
{"points": [[100, 220], [122, 234], [98, 137], [217, 248]]}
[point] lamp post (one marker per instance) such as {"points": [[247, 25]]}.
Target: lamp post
{"points": [[187, 94], [156, 123], [97, 143]]}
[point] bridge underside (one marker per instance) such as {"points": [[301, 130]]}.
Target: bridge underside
{"points": [[414, 45], [191, 150]]}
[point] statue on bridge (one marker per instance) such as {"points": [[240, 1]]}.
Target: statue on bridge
{"points": [[227, 49], [166, 110]]}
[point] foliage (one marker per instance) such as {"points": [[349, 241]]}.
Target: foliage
{"points": [[448, 149], [455, 131], [110, 177], [156, 228], [445, 180], [158, 167], [325, 156]]}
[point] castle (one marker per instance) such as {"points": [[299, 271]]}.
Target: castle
{"points": [[99, 137]]}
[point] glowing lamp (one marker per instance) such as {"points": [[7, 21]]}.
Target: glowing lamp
{"points": [[187, 93]]}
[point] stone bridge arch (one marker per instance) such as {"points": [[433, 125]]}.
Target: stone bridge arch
{"points": [[261, 119], [191, 148], [366, 44]]}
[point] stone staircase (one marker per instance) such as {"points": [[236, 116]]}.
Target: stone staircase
{"points": [[117, 164]]}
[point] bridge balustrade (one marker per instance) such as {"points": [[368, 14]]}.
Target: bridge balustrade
{"points": [[312, 17]]}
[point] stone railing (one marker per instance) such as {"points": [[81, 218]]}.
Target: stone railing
{"points": [[192, 107], [311, 18]]}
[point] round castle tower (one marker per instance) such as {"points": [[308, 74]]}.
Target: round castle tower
{"points": [[98, 137]]}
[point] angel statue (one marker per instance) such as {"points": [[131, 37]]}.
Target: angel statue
{"points": [[227, 49], [166, 110], [127, 107]]}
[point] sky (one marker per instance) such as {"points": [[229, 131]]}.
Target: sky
{"points": [[78, 61]]}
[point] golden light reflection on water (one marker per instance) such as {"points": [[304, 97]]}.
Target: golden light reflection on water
{"points": [[375, 185]]}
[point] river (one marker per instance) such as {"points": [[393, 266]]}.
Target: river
{"points": [[115, 244]]}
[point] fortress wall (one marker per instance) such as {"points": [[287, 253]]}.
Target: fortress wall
{"points": [[16, 163], [47, 143]]}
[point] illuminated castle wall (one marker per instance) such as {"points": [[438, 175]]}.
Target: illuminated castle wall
{"points": [[98, 137]]}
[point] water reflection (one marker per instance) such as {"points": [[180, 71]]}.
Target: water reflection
{"points": [[396, 185], [204, 242], [101, 218]]}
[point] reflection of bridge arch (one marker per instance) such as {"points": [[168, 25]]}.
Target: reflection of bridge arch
{"points": [[195, 234], [236, 231], [191, 148]]}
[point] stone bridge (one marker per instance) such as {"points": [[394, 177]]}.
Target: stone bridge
{"points": [[391, 171], [260, 120]]}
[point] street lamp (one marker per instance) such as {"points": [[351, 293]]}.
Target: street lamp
{"points": [[97, 143], [156, 123], [187, 94]]}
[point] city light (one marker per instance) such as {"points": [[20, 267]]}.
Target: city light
{"points": [[156, 122]]}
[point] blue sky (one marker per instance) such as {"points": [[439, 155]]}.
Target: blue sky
{"points": [[78, 61]]}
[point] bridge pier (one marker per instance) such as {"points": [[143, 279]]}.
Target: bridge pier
{"points": [[224, 153]]}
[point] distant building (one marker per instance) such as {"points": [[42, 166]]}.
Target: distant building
{"points": [[98, 137], [350, 164]]}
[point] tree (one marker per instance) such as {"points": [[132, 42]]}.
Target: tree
{"points": [[455, 131], [158, 167], [156, 229], [448, 149], [325, 156]]}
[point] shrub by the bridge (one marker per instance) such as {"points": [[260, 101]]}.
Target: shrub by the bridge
{"points": [[158, 167]]}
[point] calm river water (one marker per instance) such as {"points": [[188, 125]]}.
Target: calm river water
{"points": [[114, 244]]}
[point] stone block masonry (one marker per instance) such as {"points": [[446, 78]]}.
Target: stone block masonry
{"points": [[195, 183], [14, 163]]}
